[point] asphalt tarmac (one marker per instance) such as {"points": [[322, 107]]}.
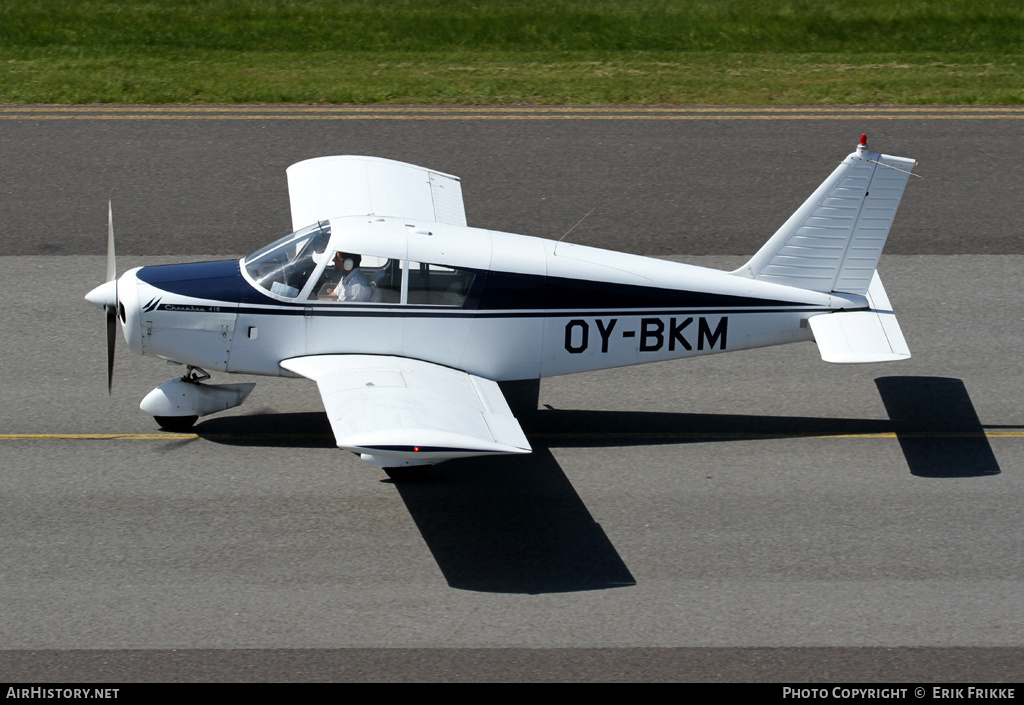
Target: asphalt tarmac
{"points": [[759, 516]]}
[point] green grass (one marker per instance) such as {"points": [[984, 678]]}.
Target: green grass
{"points": [[488, 52]]}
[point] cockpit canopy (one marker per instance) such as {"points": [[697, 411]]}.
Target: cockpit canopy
{"points": [[305, 265], [283, 267]]}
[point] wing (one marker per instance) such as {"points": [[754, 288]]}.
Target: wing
{"points": [[394, 411], [326, 187]]}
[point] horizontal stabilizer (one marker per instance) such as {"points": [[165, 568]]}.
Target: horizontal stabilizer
{"points": [[861, 336]]}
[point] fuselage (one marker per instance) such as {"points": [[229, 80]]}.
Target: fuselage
{"points": [[494, 304]]}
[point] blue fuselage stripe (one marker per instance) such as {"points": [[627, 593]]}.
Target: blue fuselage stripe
{"points": [[456, 313], [493, 295]]}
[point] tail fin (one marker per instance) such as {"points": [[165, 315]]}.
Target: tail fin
{"points": [[833, 241]]}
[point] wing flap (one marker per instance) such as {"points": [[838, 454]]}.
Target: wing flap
{"points": [[395, 408], [328, 187]]}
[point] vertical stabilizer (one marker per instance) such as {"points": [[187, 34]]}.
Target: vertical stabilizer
{"points": [[833, 241]]}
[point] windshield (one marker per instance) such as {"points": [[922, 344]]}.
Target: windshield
{"points": [[283, 267]]}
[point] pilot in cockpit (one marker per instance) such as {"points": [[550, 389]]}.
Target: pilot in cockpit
{"points": [[353, 285]]}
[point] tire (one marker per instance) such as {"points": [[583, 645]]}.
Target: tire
{"points": [[411, 474], [176, 424]]}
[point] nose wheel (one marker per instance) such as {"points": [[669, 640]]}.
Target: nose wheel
{"points": [[181, 424], [178, 403], [176, 424]]}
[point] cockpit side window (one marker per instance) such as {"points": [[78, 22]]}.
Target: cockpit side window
{"points": [[350, 277], [283, 267], [438, 285]]}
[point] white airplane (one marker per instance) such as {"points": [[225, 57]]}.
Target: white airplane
{"points": [[407, 319]]}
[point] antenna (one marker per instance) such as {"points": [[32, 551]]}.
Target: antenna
{"points": [[862, 147], [555, 252]]}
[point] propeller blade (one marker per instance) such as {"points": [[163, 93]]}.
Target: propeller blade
{"points": [[111, 260], [111, 309], [111, 338]]}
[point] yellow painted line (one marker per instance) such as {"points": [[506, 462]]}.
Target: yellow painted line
{"points": [[513, 117], [506, 109], [96, 436], [771, 436], [548, 436], [516, 108]]}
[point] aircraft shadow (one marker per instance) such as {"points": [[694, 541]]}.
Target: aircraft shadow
{"points": [[512, 525], [557, 428], [515, 524], [308, 429], [937, 426], [504, 524]]}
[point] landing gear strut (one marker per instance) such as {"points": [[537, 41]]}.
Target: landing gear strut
{"points": [[195, 374]]}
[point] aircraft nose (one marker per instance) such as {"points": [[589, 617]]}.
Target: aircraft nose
{"points": [[104, 295]]}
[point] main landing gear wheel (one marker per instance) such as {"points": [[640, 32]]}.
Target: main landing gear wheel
{"points": [[413, 474], [176, 424]]}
